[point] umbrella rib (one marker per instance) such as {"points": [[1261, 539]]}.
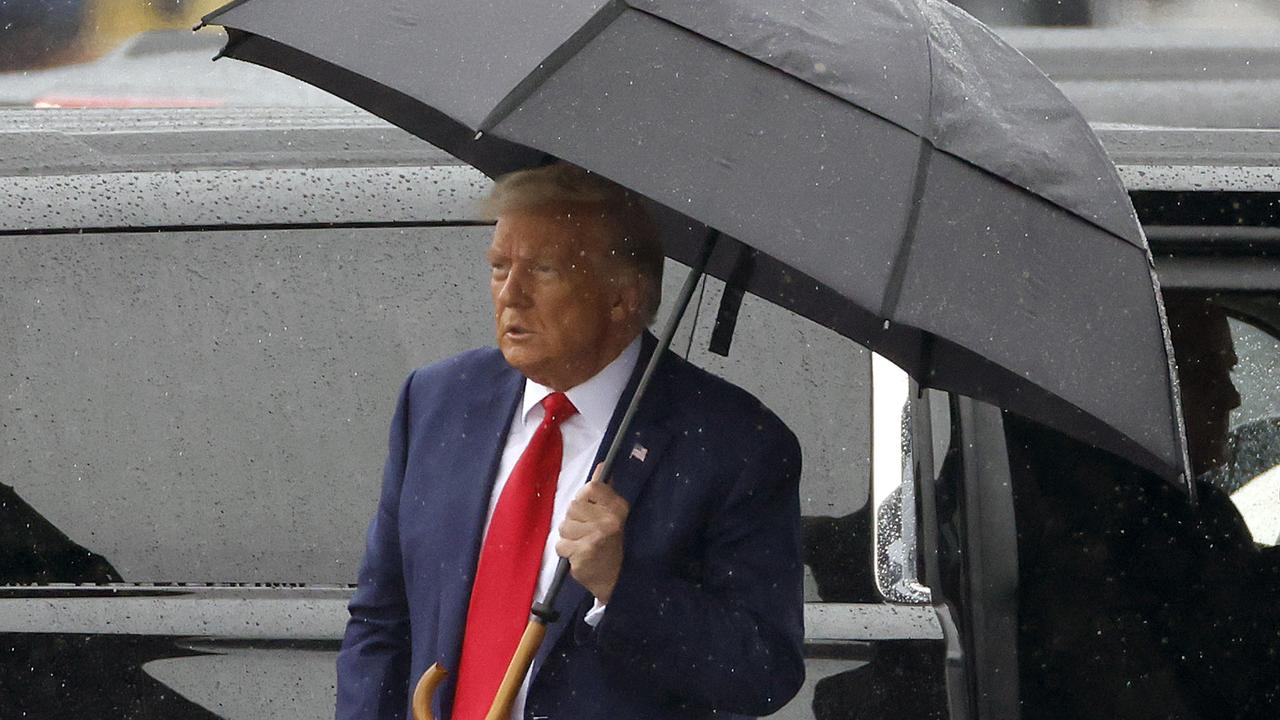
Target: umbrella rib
{"points": [[930, 130], [898, 272], [603, 18], [774, 66]]}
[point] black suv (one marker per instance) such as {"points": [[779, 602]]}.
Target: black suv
{"points": [[207, 312]]}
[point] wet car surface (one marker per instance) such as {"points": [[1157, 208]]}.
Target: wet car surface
{"points": [[208, 312]]}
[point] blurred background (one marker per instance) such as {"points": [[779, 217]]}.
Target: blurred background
{"points": [[1206, 14], [39, 34]]}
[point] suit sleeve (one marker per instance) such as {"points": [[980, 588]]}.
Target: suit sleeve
{"points": [[373, 663], [733, 641]]}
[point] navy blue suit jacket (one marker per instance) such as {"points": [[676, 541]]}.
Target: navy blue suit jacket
{"points": [[707, 614]]}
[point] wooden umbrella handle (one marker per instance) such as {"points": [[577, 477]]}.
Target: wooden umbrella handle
{"points": [[530, 641], [425, 689], [519, 667]]}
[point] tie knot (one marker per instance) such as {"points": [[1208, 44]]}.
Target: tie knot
{"points": [[557, 408]]}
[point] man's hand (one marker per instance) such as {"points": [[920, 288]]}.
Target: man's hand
{"points": [[591, 537]]}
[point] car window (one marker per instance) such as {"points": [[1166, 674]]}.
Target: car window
{"points": [[1121, 578], [212, 407], [1253, 475]]}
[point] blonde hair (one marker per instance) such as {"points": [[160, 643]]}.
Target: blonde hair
{"points": [[630, 235]]}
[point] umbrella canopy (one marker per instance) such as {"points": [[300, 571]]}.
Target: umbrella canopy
{"points": [[902, 175]]}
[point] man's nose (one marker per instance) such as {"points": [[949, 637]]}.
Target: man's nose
{"points": [[512, 290]]}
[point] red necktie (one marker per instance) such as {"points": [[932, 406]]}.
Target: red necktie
{"points": [[507, 573]]}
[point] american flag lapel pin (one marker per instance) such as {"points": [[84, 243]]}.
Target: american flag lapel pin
{"points": [[639, 452]]}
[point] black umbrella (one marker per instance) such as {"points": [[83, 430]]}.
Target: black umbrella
{"points": [[900, 174], [888, 168]]}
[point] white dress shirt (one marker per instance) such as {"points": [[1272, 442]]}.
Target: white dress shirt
{"points": [[595, 400]]}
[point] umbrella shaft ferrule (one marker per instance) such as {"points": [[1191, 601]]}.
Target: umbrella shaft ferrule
{"points": [[544, 613]]}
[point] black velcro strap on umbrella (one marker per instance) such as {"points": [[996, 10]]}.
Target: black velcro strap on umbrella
{"points": [[731, 301]]}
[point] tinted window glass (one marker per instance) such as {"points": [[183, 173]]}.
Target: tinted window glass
{"points": [[1253, 475], [1134, 601], [213, 407]]}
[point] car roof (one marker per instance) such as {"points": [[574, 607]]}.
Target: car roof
{"points": [[65, 158], [114, 170], [91, 141], [78, 141], [98, 170], [1193, 159]]}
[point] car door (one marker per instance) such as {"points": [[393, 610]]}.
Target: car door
{"points": [[946, 538]]}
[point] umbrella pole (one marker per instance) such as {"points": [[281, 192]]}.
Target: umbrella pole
{"points": [[543, 611]]}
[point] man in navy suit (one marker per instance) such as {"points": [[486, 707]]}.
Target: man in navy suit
{"points": [[685, 599]]}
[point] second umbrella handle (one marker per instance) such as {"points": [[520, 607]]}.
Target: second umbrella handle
{"points": [[530, 641], [516, 671]]}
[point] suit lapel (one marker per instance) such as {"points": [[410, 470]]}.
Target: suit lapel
{"points": [[637, 458], [648, 436], [481, 435]]}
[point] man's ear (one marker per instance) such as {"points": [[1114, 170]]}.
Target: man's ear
{"points": [[623, 306], [628, 299]]}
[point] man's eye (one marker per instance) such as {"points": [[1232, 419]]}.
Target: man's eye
{"points": [[498, 269]]}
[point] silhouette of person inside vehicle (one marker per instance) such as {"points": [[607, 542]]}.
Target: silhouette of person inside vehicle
{"points": [[1133, 601]]}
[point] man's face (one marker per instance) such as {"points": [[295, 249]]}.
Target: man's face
{"points": [[561, 312]]}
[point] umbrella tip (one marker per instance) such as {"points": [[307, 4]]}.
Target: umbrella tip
{"points": [[197, 26], [478, 135]]}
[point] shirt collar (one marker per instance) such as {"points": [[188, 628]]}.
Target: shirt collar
{"points": [[595, 398]]}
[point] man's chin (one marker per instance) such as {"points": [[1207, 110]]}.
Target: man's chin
{"points": [[519, 357]]}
